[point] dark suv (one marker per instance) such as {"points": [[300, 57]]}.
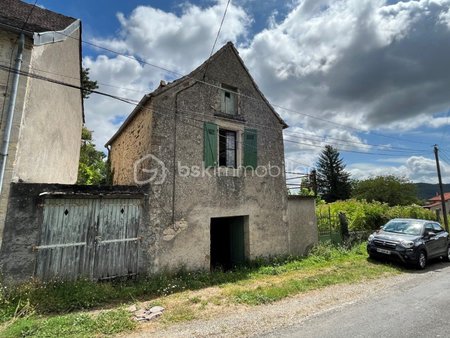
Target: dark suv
{"points": [[410, 240]]}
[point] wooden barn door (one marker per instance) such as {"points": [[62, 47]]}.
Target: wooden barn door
{"points": [[116, 243], [95, 238]]}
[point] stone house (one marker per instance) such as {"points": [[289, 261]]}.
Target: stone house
{"points": [[210, 147], [41, 121], [435, 204]]}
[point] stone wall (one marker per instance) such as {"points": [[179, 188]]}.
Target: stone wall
{"points": [[303, 232], [131, 146], [181, 206], [25, 216]]}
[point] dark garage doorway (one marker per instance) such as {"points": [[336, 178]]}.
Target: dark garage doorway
{"points": [[227, 242]]}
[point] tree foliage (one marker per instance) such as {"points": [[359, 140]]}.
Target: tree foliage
{"points": [[389, 189], [92, 169], [87, 84], [363, 215], [333, 182]]}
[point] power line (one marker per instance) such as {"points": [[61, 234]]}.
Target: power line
{"points": [[79, 79], [217, 37], [11, 59], [384, 147], [342, 150], [240, 94], [308, 136], [392, 149], [129, 102], [296, 177], [220, 28]]}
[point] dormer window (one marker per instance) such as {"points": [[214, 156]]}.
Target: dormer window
{"points": [[229, 100]]}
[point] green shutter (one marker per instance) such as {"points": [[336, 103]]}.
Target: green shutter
{"points": [[250, 148], [210, 145]]}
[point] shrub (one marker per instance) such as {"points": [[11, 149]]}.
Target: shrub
{"points": [[363, 215]]}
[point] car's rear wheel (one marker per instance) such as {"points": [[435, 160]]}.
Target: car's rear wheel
{"points": [[422, 260], [447, 258]]}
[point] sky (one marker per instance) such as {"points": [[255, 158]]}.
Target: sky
{"points": [[370, 77]]}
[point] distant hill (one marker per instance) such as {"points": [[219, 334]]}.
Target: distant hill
{"points": [[426, 191]]}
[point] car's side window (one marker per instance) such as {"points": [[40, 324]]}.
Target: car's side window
{"points": [[429, 227], [437, 228]]}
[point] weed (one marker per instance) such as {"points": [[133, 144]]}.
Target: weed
{"points": [[31, 309]]}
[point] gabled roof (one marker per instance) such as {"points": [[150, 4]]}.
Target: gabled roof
{"points": [[194, 76], [438, 197], [435, 204], [15, 13]]}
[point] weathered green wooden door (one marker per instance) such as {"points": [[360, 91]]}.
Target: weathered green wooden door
{"points": [[237, 254]]}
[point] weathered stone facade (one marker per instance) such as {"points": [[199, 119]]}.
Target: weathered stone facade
{"points": [[169, 125]]}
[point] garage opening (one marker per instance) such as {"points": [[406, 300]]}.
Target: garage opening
{"points": [[228, 242]]}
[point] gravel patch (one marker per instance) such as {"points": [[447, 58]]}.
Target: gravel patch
{"points": [[257, 320]]}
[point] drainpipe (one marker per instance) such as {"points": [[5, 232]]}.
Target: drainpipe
{"points": [[10, 111]]}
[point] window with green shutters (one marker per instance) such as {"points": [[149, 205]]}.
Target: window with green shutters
{"points": [[229, 147], [250, 148], [210, 144]]}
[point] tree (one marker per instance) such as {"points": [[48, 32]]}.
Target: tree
{"points": [[333, 181], [92, 169], [87, 85], [390, 189]]}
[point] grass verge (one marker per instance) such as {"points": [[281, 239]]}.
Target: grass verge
{"points": [[71, 325], [42, 310]]}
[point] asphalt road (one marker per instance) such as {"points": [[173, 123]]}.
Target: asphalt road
{"points": [[420, 307]]}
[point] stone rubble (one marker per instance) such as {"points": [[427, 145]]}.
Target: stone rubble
{"points": [[147, 314]]}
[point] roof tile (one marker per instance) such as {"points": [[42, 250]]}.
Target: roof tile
{"points": [[14, 13]]}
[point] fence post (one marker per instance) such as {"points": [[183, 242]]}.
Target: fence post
{"points": [[438, 216], [329, 222], [343, 226]]}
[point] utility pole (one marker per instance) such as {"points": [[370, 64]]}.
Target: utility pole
{"points": [[313, 179], [444, 209]]}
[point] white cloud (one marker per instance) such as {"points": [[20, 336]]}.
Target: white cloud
{"points": [[179, 43], [414, 168], [127, 77], [369, 64], [356, 62]]}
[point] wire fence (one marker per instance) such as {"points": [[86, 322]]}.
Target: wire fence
{"points": [[333, 227]]}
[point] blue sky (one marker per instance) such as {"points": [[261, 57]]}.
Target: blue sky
{"points": [[371, 77]]}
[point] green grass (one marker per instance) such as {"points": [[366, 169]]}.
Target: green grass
{"points": [[271, 293], [71, 325], [43, 310], [330, 266]]}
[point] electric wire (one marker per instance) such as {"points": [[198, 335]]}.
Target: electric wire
{"points": [[323, 139], [220, 28], [126, 100], [165, 69], [11, 61]]}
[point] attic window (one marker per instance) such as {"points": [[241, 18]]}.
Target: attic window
{"points": [[229, 100]]}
